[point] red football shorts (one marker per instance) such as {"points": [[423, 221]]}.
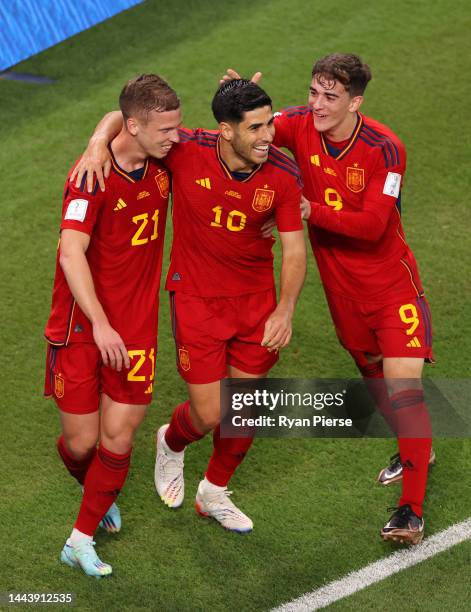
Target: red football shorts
{"points": [[212, 333], [392, 330], [76, 377]]}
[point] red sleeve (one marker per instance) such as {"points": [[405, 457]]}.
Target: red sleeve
{"points": [[284, 131], [80, 209], [288, 212], [379, 200]]}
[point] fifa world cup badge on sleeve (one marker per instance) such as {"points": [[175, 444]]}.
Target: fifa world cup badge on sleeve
{"points": [[59, 385], [162, 181], [392, 184], [355, 179], [76, 210], [263, 199], [184, 357]]}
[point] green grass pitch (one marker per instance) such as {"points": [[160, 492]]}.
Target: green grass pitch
{"points": [[316, 509]]}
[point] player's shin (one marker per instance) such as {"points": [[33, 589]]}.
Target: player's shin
{"points": [[103, 482], [181, 430], [373, 377], [228, 454], [415, 453], [415, 441]]}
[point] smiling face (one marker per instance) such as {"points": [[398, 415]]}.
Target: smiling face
{"points": [[333, 109], [246, 144], [156, 135]]}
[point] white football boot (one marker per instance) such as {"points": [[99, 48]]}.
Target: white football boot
{"points": [[83, 555], [168, 475], [217, 505]]}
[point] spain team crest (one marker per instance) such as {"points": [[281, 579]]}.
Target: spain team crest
{"points": [[355, 179], [59, 386], [162, 183], [263, 199], [184, 358]]}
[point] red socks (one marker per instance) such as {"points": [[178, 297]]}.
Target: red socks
{"points": [[228, 454], [413, 420], [77, 467], [181, 430], [415, 455], [103, 482], [407, 416], [103, 473]]}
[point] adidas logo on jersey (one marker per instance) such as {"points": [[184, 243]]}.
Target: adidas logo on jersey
{"points": [[233, 194], [204, 182], [414, 343], [143, 194], [120, 204]]}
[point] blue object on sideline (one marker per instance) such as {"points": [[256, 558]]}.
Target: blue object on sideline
{"points": [[29, 26]]}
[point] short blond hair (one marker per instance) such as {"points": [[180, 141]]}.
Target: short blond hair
{"points": [[146, 93]]}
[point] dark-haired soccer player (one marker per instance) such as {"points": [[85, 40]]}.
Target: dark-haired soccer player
{"points": [[353, 169], [225, 317], [102, 328]]}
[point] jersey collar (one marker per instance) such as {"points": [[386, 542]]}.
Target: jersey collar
{"points": [[126, 175], [350, 142], [225, 167]]}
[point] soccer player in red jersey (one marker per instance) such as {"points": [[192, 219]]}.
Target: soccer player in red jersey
{"points": [[353, 168], [102, 327], [225, 318]]}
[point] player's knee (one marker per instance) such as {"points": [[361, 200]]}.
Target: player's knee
{"points": [[119, 443], [82, 445], [207, 421], [370, 366]]}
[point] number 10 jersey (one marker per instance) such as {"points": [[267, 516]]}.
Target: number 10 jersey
{"points": [[218, 249]]}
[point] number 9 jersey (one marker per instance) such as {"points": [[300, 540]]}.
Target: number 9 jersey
{"points": [[355, 224]]}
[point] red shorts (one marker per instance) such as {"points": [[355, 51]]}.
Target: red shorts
{"points": [[76, 377], [392, 330], [212, 333]]}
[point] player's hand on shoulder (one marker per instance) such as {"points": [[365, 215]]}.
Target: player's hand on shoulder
{"points": [[95, 161], [305, 206], [232, 75], [278, 329], [111, 346]]}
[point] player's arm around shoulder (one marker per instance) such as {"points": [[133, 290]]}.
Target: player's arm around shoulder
{"points": [[96, 159], [290, 127]]}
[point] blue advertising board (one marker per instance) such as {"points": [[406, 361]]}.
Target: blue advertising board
{"points": [[30, 26]]}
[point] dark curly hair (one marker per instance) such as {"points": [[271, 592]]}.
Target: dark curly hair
{"points": [[236, 97]]}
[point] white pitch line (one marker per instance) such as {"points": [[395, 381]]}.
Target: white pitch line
{"points": [[379, 570]]}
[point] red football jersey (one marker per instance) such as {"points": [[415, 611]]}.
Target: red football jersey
{"points": [[355, 227], [218, 249], [126, 224]]}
